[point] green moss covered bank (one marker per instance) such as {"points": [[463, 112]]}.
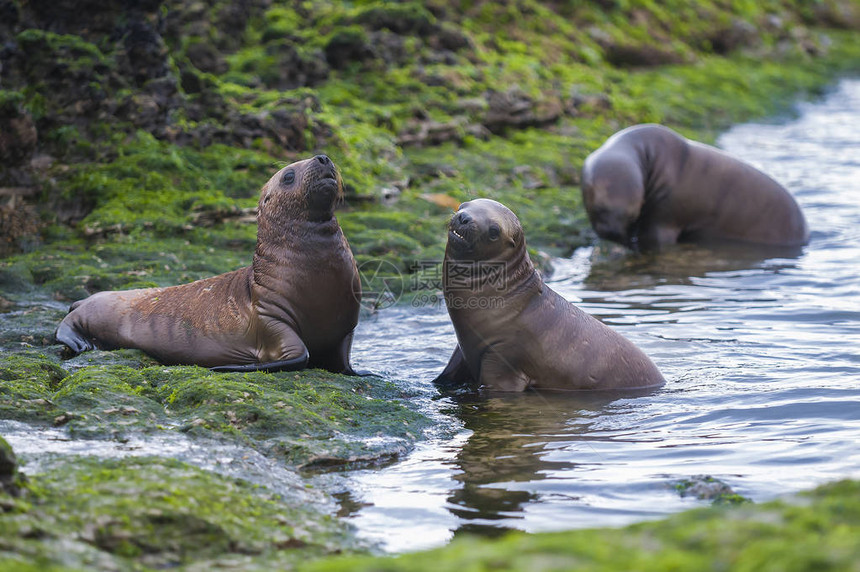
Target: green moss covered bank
{"points": [[137, 138], [814, 531], [134, 137]]}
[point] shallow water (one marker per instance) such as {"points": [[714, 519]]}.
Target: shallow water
{"points": [[760, 349]]}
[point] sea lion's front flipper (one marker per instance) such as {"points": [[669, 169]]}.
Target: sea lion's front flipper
{"points": [[337, 361], [71, 337], [499, 374], [456, 373]]}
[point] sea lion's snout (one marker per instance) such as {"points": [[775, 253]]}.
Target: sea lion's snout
{"points": [[322, 185], [325, 166], [461, 229], [610, 225]]}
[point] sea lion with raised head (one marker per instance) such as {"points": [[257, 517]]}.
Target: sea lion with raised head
{"points": [[515, 333], [647, 187], [296, 306]]}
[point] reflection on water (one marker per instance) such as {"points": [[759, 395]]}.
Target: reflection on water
{"points": [[760, 348], [612, 267]]}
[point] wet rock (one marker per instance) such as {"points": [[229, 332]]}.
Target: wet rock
{"points": [[8, 469], [280, 129], [144, 55], [18, 135], [157, 513], [640, 55], [10, 15], [587, 104], [449, 38], [206, 58], [408, 18], [836, 13], [89, 18], [738, 34], [295, 68], [706, 487], [514, 108], [425, 133], [19, 223], [347, 45]]}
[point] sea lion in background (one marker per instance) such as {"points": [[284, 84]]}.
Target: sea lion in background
{"points": [[296, 306], [515, 333], [647, 186]]}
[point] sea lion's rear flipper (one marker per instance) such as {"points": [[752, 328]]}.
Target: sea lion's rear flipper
{"points": [[294, 364], [68, 335], [291, 350], [456, 373]]}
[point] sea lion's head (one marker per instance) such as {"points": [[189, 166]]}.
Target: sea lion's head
{"points": [[307, 189], [613, 191], [483, 229]]}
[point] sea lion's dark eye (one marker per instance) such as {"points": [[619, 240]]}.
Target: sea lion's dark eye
{"points": [[493, 233], [289, 177]]}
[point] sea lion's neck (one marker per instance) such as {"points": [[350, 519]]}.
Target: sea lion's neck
{"points": [[659, 153], [290, 243], [514, 275]]}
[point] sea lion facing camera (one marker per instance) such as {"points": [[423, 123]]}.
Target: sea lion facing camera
{"points": [[515, 333], [647, 186], [295, 306]]}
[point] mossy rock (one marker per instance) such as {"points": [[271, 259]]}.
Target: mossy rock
{"points": [[706, 487], [150, 512], [405, 18], [27, 386], [311, 419]]}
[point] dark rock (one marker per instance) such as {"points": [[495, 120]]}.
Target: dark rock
{"points": [[280, 129], [347, 45], [514, 108], [8, 469], [145, 51], [18, 135], [587, 104], [19, 222], [403, 19], [738, 34], [91, 19], [706, 487], [206, 58], [389, 47], [9, 17], [836, 13], [295, 68], [424, 133], [633, 55]]}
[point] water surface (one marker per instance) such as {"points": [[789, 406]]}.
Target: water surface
{"points": [[760, 349]]}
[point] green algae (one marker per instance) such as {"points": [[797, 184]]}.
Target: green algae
{"points": [[309, 419], [27, 386], [152, 191], [706, 487], [815, 530], [148, 512]]}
